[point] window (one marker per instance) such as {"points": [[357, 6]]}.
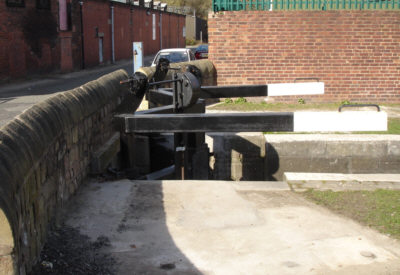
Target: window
{"points": [[43, 4], [15, 3], [69, 16]]}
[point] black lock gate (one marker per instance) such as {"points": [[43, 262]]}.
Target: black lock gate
{"points": [[180, 109]]}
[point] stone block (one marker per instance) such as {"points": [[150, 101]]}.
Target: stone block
{"points": [[390, 164], [103, 157], [275, 167], [75, 134], [342, 154], [356, 148], [365, 164], [394, 148], [238, 156], [139, 153], [7, 266], [297, 148]]}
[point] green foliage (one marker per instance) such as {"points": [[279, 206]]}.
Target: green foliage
{"points": [[228, 101], [202, 7], [379, 209], [345, 102], [240, 100], [190, 41], [393, 126], [301, 101]]}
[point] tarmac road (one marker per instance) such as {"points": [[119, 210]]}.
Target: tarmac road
{"points": [[17, 97]]}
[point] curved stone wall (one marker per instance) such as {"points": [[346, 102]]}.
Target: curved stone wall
{"points": [[45, 155]]}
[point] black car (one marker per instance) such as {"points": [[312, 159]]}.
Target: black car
{"points": [[201, 52]]}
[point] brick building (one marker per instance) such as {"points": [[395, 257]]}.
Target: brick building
{"points": [[356, 53], [63, 35]]}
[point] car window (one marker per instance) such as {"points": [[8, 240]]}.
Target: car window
{"points": [[202, 48], [173, 57]]}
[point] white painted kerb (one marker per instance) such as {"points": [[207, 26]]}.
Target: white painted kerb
{"points": [[340, 121], [287, 89]]}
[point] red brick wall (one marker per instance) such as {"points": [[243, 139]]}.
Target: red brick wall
{"points": [[64, 52], [173, 31], [16, 55], [131, 24], [356, 53], [123, 34], [95, 17]]}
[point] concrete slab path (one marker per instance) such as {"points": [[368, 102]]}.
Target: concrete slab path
{"points": [[215, 227]]}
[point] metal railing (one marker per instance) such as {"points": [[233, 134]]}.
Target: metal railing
{"points": [[237, 5]]}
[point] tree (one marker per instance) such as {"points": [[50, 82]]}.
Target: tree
{"points": [[200, 6]]}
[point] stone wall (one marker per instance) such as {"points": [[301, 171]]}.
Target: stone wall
{"points": [[355, 53], [45, 154], [348, 154], [254, 156]]}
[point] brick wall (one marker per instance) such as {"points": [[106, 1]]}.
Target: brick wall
{"points": [[356, 53], [19, 55], [63, 52], [131, 24], [95, 27], [123, 34]]}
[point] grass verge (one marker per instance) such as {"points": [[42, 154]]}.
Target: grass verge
{"points": [[378, 209], [244, 106], [241, 104]]}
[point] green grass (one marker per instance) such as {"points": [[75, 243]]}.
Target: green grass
{"points": [[393, 126], [240, 105], [378, 209]]}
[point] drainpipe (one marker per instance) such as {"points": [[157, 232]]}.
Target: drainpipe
{"points": [[160, 30], [83, 44], [112, 35], [178, 31], [62, 13]]}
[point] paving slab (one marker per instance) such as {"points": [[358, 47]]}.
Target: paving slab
{"points": [[219, 227], [338, 181]]}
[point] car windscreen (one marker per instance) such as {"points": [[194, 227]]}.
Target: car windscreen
{"points": [[202, 48], [174, 57]]}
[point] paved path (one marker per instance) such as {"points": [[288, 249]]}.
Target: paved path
{"points": [[210, 227], [17, 97]]}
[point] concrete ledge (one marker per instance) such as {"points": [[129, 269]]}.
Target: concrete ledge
{"points": [[250, 186], [347, 154], [261, 186], [337, 182]]}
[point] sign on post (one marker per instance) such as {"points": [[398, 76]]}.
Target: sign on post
{"points": [[137, 55]]}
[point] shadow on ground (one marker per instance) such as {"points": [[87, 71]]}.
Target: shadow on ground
{"points": [[132, 217]]}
